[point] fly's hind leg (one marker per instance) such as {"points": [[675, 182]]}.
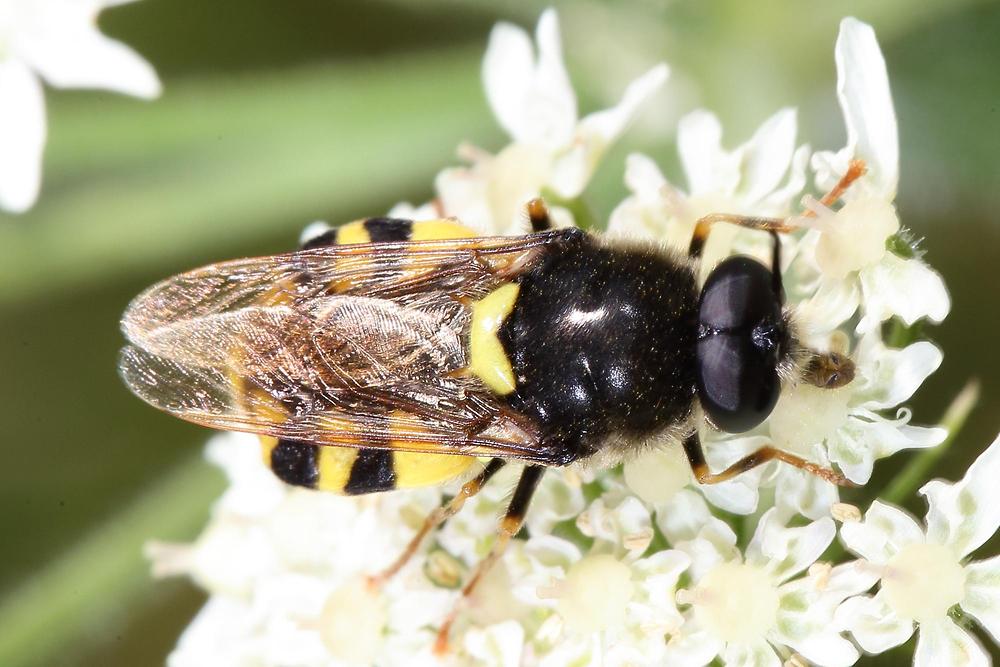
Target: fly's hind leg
{"points": [[538, 214], [436, 518], [696, 457], [510, 525]]}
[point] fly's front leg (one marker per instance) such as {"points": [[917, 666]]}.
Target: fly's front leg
{"points": [[855, 170], [704, 226], [510, 525]]}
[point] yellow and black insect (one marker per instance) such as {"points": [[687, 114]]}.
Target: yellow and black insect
{"points": [[389, 354]]}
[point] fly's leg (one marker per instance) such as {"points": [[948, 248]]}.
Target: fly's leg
{"points": [[436, 518], [696, 457], [538, 214], [510, 525], [775, 225]]}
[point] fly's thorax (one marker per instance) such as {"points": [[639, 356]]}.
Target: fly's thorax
{"points": [[601, 342]]}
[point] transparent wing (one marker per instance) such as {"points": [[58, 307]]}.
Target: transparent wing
{"points": [[358, 346]]}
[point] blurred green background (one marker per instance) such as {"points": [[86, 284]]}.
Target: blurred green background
{"points": [[277, 114]]}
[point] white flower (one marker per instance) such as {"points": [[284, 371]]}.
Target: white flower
{"points": [[594, 578], [925, 572], [658, 474], [552, 148], [844, 425], [742, 608], [760, 177], [853, 240], [58, 41]]}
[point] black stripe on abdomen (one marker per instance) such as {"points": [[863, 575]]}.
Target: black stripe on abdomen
{"points": [[384, 230], [371, 472], [295, 462]]}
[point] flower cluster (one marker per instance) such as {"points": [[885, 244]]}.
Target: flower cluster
{"points": [[58, 41], [638, 565]]}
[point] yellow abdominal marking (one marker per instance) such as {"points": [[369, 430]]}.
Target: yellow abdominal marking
{"points": [[431, 230], [353, 232], [335, 465], [415, 469], [488, 360]]}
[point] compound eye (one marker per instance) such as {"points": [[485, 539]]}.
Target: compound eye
{"points": [[738, 294], [737, 385], [739, 344]]}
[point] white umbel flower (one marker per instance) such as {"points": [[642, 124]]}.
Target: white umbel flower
{"points": [[853, 241], [743, 609], [846, 425], [552, 148], [624, 568], [763, 176], [58, 41], [925, 572]]}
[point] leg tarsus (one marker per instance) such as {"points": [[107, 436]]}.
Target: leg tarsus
{"points": [[704, 225], [696, 457], [436, 518], [510, 525], [855, 170]]}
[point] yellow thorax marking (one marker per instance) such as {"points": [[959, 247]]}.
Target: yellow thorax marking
{"points": [[488, 360]]}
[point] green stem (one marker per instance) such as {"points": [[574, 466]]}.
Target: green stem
{"points": [[919, 469], [81, 592]]}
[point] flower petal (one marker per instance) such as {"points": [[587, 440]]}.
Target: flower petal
{"points": [[982, 594], [965, 514], [532, 100], [904, 287], [740, 494], [22, 136], [657, 475], [800, 492], [875, 626], [863, 91], [778, 202], [709, 168], [683, 516], [786, 551], [892, 376], [72, 53], [572, 170], [767, 155], [757, 654], [944, 643], [508, 68], [860, 442], [497, 645], [827, 649], [254, 490], [692, 647], [555, 500], [217, 635], [883, 532], [605, 126], [833, 303], [625, 526]]}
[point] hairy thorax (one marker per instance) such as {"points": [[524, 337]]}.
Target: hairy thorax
{"points": [[601, 343]]}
